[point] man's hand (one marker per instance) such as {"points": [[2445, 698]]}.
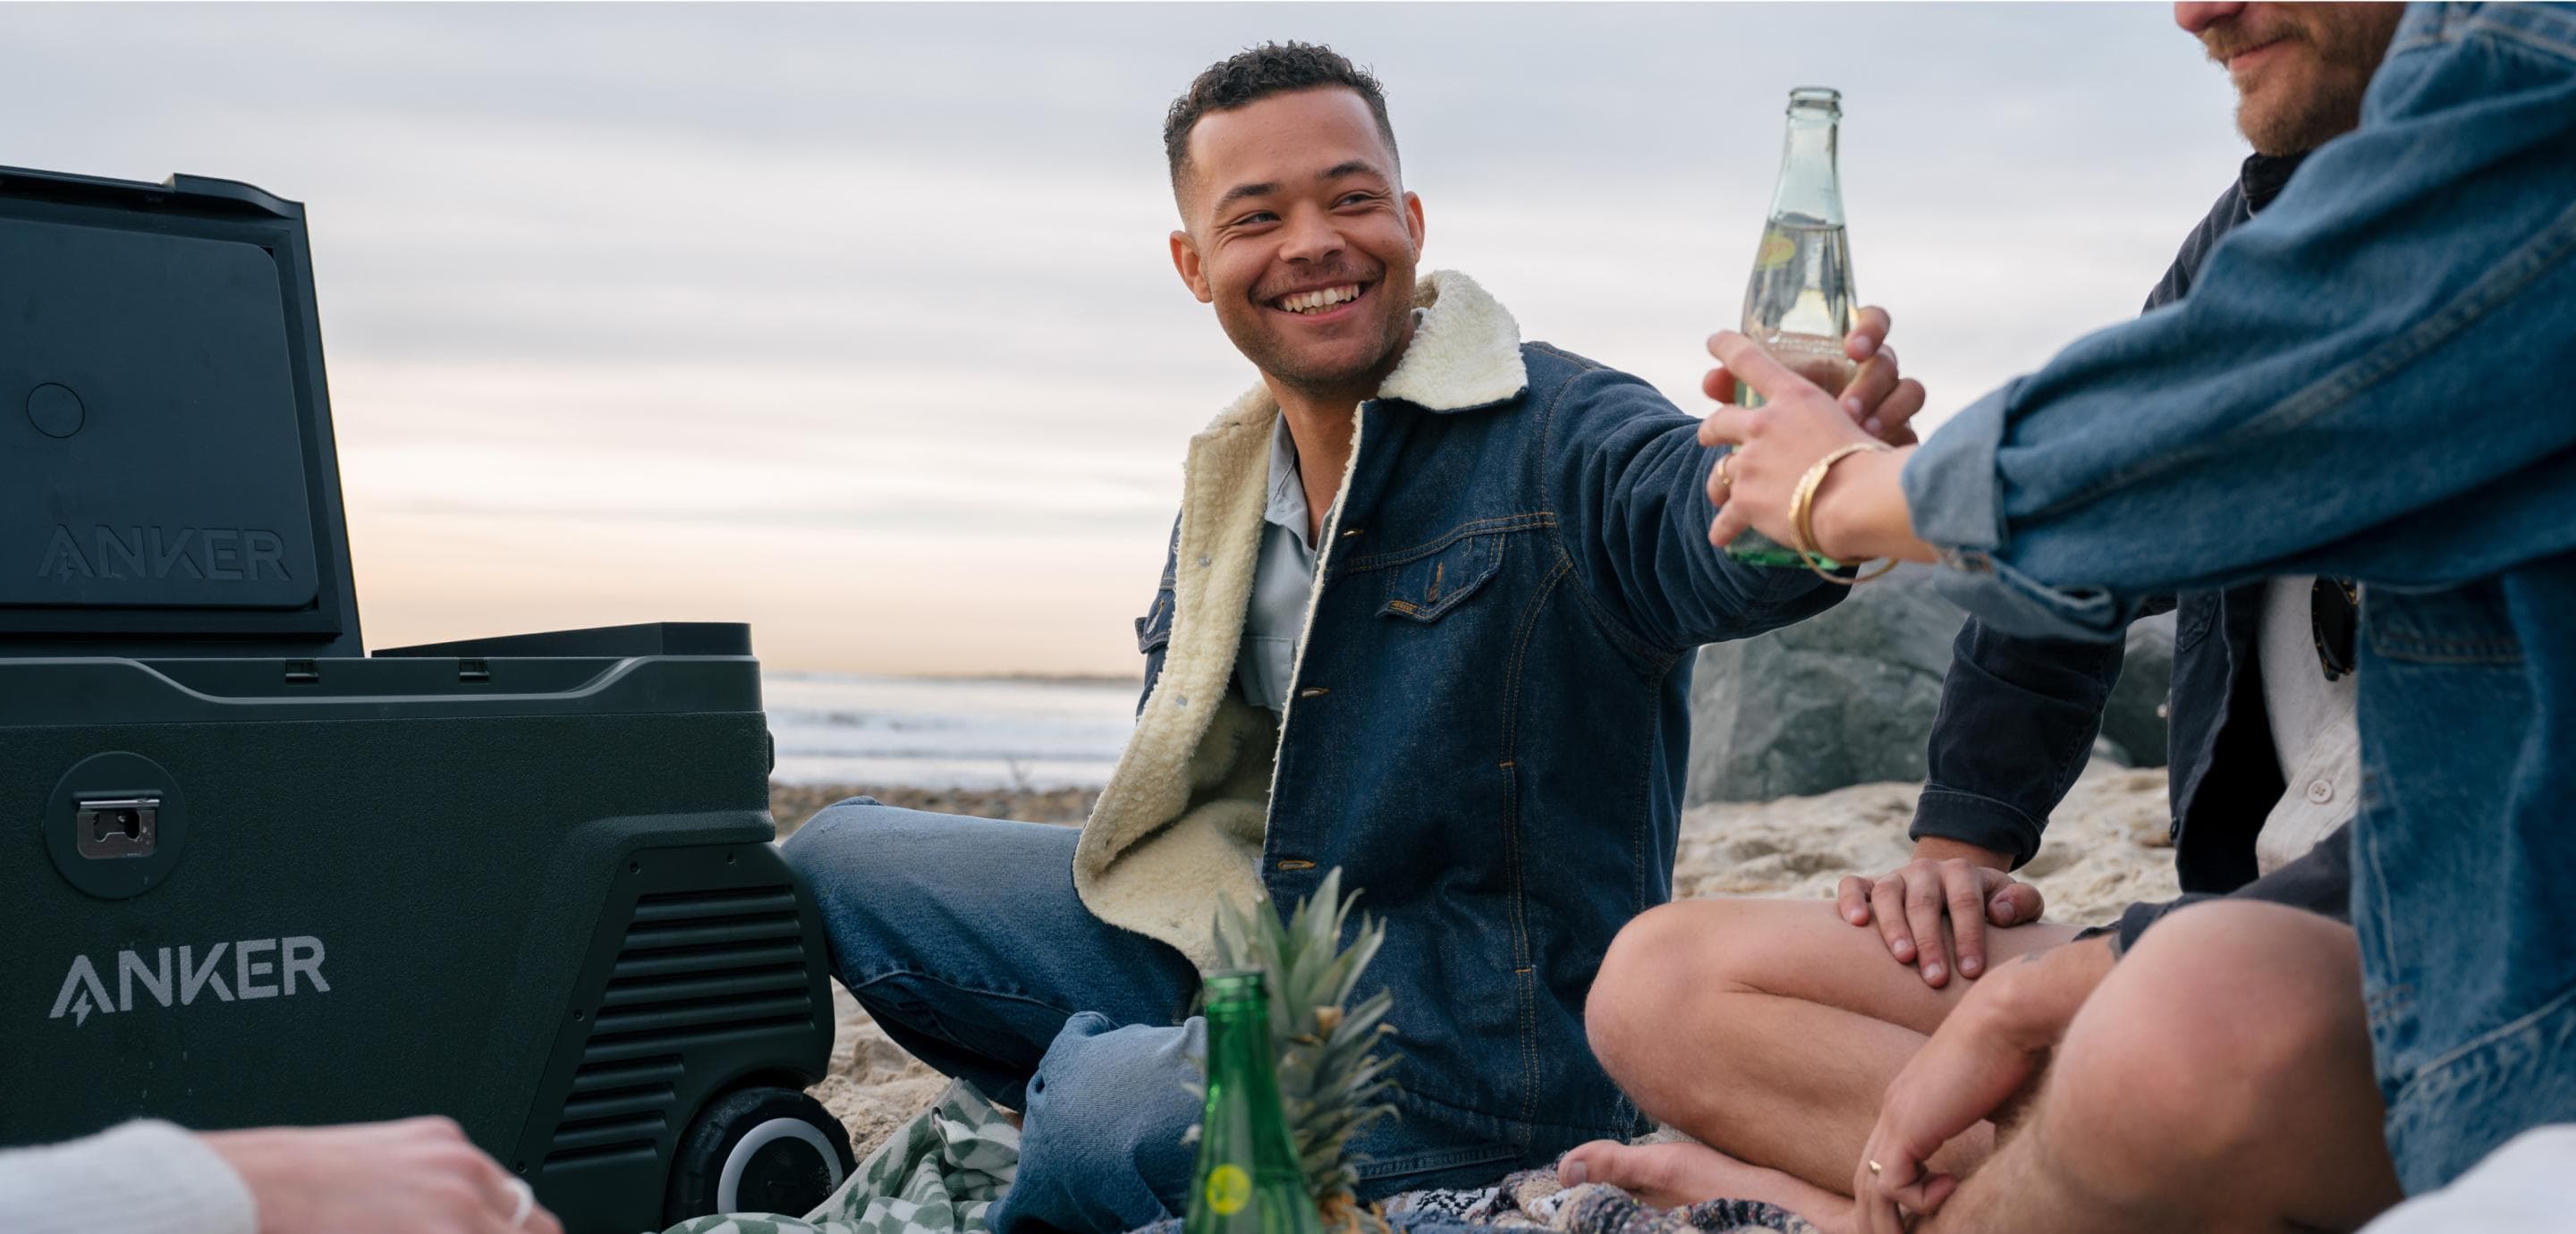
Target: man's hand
{"points": [[1877, 397], [1984, 1055], [418, 1176], [1859, 511], [1962, 881]]}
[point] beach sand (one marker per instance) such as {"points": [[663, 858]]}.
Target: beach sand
{"points": [[2106, 848]]}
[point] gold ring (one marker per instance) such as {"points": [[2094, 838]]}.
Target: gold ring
{"points": [[1873, 1167], [1723, 475]]}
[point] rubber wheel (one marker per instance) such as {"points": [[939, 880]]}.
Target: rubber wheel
{"points": [[758, 1150]]}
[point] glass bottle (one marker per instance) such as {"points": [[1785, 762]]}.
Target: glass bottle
{"points": [[1248, 1180], [1798, 305]]}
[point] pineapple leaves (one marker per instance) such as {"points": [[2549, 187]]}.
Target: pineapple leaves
{"points": [[1332, 1082]]}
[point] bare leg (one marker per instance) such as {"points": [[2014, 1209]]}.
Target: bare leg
{"points": [[1767, 1030], [2219, 1080]]}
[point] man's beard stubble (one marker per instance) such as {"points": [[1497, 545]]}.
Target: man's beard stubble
{"points": [[1276, 359], [2344, 43], [2301, 123]]}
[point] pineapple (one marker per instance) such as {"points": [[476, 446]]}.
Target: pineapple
{"points": [[1331, 1081]]}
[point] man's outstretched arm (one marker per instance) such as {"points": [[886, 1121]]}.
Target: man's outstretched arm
{"points": [[1635, 492]]}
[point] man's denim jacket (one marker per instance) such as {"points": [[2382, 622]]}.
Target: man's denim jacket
{"points": [[2018, 715], [1488, 721], [2369, 380]]}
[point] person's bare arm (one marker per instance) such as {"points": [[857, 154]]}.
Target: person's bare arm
{"points": [[1982, 1057], [417, 1176]]}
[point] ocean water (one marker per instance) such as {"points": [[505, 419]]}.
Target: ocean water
{"points": [[947, 732]]}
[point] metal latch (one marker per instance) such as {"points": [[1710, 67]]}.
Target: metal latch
{"points": [[113, 827]]}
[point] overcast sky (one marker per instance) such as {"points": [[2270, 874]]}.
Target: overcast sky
{"points": [[858, 323]]}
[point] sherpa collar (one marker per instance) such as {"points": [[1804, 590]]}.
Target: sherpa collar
{"points": [[1466, 350], [1465, 356]]}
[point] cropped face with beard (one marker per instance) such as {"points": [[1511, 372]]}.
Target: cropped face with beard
{"points": [[2299, 69]]}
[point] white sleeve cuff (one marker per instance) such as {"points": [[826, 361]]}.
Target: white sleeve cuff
{"points": [[138, 1178]]}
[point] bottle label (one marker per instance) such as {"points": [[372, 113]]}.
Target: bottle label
{"points": [[1777, 248], [1228, 1189]]}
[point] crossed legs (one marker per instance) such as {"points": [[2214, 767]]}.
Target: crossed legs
{"points": [[1765, 1030], [2218, 1079]]}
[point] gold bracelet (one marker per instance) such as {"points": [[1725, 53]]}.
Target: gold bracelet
{"points": [[1802, 512]]}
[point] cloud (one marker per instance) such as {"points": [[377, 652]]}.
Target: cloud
{"points": [[856, 322]]}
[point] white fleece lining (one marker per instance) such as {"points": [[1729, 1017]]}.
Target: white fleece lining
{"points": [[1150, 860]]}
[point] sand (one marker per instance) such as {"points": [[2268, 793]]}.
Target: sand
{"points": [[2106, 849]]}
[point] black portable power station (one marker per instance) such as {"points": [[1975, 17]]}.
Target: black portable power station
{"points": [[252, 875]]}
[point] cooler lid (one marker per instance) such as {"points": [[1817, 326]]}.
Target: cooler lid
{"points": [[167, 471]]}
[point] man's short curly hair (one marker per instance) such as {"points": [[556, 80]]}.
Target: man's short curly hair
{"points": [[1256, 73]]}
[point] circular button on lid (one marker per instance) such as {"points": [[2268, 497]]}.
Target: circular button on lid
{"points": [[55, 410]]}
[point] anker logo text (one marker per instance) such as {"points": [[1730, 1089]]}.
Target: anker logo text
{"points": [[258, 968], [220, 554]]}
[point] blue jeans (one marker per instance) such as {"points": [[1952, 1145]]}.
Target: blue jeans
{"points": [[964, 939]]}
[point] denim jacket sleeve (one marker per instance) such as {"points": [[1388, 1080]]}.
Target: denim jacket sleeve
{"points": [[2365, 380], [2016, 726], [1628, 481]]}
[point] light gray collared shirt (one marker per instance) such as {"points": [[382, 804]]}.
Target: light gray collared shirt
{"points": [[1283, 577]]}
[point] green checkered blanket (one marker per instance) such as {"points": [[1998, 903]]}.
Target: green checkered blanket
{"points": [[938, 1175]]}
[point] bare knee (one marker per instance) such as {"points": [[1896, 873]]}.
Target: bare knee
{"points": [[2190, 1055], [1658, 962], [1625, 995]]}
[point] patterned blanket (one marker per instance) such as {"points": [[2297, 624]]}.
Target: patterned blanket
{"points": [[1534, 1200], [937, 1175], [942, 1172]]}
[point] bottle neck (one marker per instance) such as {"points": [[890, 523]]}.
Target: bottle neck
{"points": [[1239, 1030], [1810, 177]]}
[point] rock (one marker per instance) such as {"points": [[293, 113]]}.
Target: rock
{"points": [[1842, 698], [1848, 697], [2135, 716]]}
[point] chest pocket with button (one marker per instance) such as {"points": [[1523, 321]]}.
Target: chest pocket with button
{"points": [[1429, 587]]}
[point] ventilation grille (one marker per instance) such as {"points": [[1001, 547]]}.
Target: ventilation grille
{"points": [[696, 967]]}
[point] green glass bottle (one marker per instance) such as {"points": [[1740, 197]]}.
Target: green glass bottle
{"points": [[1798, 305], [1248, 1180]]}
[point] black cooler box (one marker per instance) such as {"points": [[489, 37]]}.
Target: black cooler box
{"points": [[251, 875]]}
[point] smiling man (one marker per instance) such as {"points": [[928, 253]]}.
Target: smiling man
{"points": [[1427, 617]]}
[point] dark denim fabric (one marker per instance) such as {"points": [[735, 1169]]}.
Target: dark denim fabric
{"points": [[1491, 719], [2018, 715], [2367, 381]]}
